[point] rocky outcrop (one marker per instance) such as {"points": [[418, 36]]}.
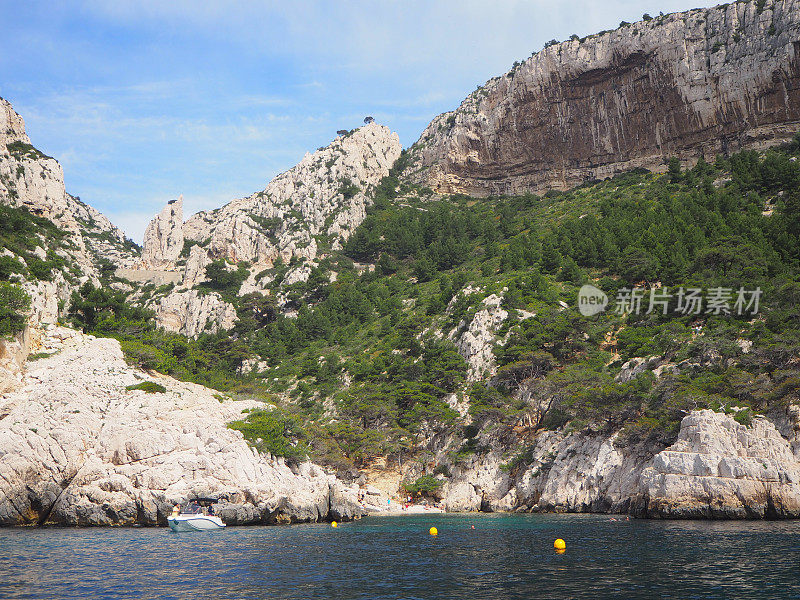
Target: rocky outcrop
{"points": [[30, 179], [325, 194], [475, 340], [46, 296], [717, 468], [163, 238], [195, 270], [79, 448], [323, 198], [702, 82], [720, 468], [33, 181], [191, 313], [13, 353]]}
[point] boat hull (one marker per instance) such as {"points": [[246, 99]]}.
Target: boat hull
{"points": [[195, 523]]}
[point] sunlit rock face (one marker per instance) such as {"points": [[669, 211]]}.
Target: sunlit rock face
{"points": [[701, 82], [163, 238], [324, 194], [31, 180], [77, 447], [324, 197]]}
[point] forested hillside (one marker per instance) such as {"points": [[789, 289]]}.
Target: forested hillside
{"points": [[361, 360]]}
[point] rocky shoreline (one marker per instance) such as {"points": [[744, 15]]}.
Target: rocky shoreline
{"points": [[716, 469], [78, 448]]}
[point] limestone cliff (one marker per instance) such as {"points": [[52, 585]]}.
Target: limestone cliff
{"points": [[323, 195], [86, 239], [79, 448], [163, 238], [30, 179], [319, 201], [717, 468], [687, 84], [191, 313]]}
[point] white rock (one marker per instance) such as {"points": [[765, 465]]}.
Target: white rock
{"points": [[163, 238], [191, 313], [77, 448]]}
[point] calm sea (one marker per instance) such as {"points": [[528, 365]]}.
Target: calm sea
{"points": [[504, 556]]}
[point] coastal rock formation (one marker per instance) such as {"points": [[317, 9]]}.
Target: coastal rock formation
{"points": [[163, 238], [79, 448], [717, 468], [191, 312], [701, 82]]}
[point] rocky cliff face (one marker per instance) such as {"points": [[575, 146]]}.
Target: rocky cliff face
{"points": [[315, 204], [191, 313], [163, 238], [687, 84], [475, 340], [78, 448], [324, 195], [35, 181], [717, 468]]}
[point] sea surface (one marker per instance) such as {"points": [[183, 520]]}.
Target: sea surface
{"points": [[504, 556]]}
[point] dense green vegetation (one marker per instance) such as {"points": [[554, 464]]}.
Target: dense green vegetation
{"points": [[425, 485], [362, 370], [151, 387], [21, 233], [14, 302]]}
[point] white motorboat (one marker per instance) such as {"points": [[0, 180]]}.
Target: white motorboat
{"points": [[193, 518]]}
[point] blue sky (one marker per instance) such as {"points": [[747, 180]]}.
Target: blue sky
{"points": [[142, 101]]}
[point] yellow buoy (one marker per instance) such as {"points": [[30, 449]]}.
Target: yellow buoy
{"points": [[334, 524], [560, 545], [433, 531]]}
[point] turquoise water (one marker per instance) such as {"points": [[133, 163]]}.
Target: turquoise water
{"points": [[505, 556]]}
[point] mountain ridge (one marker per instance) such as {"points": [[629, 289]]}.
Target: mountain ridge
{"points": [[700, 82]]}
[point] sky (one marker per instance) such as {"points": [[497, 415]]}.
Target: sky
{"points": [[143, 101]]}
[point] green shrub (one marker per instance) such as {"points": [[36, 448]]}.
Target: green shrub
{"points": [[147, 357], [347, 188], [273, 431], [744, 417], [10, 266], [14, 302], [427, 484], [151, 387]]}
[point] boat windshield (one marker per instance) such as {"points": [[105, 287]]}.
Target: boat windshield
{"points": [[192, 509]]}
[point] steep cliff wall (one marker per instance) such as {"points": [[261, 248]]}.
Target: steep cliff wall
{"points": [[325, 194], [163, 238], [717, 468], [687, 84], [83, 240]]}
